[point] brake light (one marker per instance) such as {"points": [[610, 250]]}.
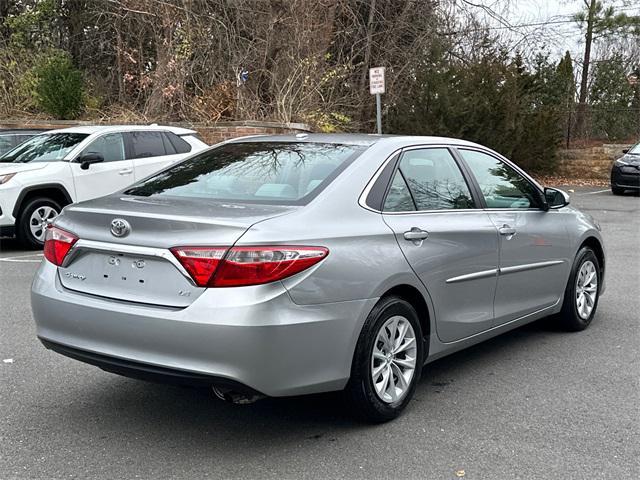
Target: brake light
{"points": [[57, 243], [200, 262], [243, 266]]}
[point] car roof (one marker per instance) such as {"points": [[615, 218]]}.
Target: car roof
{"points": [[356, 139], [91, 129]]}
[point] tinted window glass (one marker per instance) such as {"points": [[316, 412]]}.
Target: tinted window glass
{"points": [[179, 145], [398, 198], [501, 185], [168, 147], [44, 148], [7, 142], [435, 180], [262, 172], [146, 144], [110, 146]]}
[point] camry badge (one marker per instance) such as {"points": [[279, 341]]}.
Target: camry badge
{"points": [[120, 227]]}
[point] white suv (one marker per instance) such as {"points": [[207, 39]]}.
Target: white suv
{"points": [[42, 175]]}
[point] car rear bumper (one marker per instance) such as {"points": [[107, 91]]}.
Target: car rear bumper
{"points": [[255, 336]]}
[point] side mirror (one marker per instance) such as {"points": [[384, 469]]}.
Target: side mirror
{"points": [[89, 158], [626, 150], [555, 198]]}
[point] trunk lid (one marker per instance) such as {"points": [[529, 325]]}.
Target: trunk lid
{"points": [[138, 267]]}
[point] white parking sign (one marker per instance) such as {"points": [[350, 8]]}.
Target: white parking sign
{"points": [[376, 80]]}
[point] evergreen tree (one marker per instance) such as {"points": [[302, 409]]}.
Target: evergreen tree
{"points": [[612, 97]]}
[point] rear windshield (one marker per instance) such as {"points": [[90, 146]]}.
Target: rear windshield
{"points": [[257, 172]]}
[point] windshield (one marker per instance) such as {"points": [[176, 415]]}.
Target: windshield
{"points": [[44, 148], [258, 172], [635, 150]]}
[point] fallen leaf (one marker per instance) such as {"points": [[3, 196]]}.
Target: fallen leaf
{"points": [[8, 360], [460, 473]]}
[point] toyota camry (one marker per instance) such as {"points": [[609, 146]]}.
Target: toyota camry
{"points": [[288, 265]]}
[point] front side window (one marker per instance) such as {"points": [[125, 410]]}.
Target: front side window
{"points": [[50, 147], [146, 144], [261, 172], [501, 185], [110, 146], [434, 179]]}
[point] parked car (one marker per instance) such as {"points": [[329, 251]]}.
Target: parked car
{"points": [[625, 172], [45, 173], [291, 265], [10, 138]]}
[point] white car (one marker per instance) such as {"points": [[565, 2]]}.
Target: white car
{"points": [[42, 175]]}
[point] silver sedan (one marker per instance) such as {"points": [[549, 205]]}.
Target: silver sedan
{"points": [[298, 264]]}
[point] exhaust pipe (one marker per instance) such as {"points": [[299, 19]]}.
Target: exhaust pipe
{"points": [[234, 397]]}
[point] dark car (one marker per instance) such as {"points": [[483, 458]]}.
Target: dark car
{"points": [[13, 138], [625, 173]]}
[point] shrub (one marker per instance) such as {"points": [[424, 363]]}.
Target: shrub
{"points": [[59, 86]]}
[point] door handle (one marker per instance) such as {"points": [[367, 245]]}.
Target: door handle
{"points": [[507, 230], [125, 171], [416, 235]]}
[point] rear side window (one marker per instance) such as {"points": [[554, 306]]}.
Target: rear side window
{"points": [[399, 197], [146, 144], [435, 181], [178, 145], [261, 172]]}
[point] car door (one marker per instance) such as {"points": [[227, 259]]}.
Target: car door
{"points": [[534, 247], [450, 244], [151, 151], [111, 175]]}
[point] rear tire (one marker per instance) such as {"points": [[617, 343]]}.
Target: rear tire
{"points": [[582, 292], [617, 190], [33, 219], [376, 361]]}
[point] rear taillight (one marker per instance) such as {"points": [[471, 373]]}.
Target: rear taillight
{"points": [[243, 266], [200, 262], [57, 243]]}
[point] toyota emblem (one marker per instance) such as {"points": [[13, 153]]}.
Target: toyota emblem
{"points": [[120, 227]]}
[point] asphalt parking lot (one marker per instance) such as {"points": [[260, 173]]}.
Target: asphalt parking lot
{"points": [[534, 403]]}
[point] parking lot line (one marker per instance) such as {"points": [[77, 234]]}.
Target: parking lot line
{"points": [[597, 191], [23, 258]]}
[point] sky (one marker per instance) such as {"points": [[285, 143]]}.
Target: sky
{"points": [[559, 36]]}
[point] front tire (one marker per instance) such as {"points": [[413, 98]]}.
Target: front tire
{"points": [[33, 219], [387, 362], [617, 190], [582, 292]]}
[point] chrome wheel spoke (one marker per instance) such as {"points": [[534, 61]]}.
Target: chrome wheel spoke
{"points": [[39, 220], [393, 359], [586, 289]]}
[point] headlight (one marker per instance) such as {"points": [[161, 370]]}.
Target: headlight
{"points": [[6, 178], [620, 162]]}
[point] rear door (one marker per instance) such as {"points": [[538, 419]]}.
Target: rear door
{"points": [[450, 244], [105, 177], [151, 151], [534, 244]]}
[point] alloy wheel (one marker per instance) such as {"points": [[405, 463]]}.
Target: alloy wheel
{"points": [[586, 289], [39, 220], [393, 360]]}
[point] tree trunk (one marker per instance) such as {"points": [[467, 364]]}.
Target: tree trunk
{"points": [[584, 80]]}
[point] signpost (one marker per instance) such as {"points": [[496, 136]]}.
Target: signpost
{"points": [[376, 87]]}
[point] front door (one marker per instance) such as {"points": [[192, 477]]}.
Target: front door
{"points": [[106, 177], [534, 249], [451, 245]]}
